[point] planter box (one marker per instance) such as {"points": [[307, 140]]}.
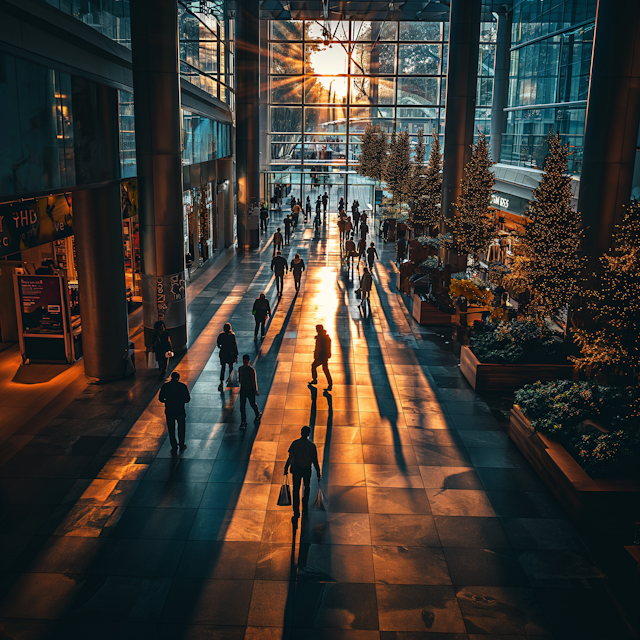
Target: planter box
{"points": [[585, 499], [468, 317], [425, 313], [492, 377]]}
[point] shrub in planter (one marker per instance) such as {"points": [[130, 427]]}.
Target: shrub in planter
{"points": [[518, 342], [558, 410]]}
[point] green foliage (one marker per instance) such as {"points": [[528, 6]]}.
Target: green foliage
{"points": [[373, 152], [427, 183], [552, 264], [518, 342], [557, 408], [611, 344], [474, 227], [397, 171]]}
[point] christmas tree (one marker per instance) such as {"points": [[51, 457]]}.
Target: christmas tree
{"points": [[552, 264], [611, 343], [474, 227], [397, 173], [367, 160], [427, 183]]}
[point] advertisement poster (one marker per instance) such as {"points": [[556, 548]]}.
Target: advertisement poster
{"points": [[41, 305], [32, 223], [129, 198]]}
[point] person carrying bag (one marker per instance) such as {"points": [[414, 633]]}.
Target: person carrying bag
{"points": [[302, 455], [284, 499]]}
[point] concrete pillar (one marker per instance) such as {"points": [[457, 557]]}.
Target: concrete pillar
{"points": [[97, 225], [156, 84], [247, 117], [613, 117], [462, 74], [500, 82]]}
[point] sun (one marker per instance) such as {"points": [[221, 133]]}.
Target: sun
{"points": [[328, 61]]}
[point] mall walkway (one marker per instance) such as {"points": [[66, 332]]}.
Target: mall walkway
{"points": [[437, 527]]}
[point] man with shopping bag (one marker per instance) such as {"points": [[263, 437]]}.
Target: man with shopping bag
{"points": [[302, 454]]}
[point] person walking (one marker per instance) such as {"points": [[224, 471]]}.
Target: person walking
{"points": [[318, 206], [292, 202], [350, 251], [372, 255], [161, 345], [356, 220], [228, 352], [348, 227], [321, 355], [325, 202], [302, 455], [366, 283], [248, 391], [341, 205], [261, 311], [279, 266], [295, 216], [342, 223], [264, 218], [277, 241], [288, 222], [307, 210], [364, 228], [174, 395], [297, 267], [362, 250]]}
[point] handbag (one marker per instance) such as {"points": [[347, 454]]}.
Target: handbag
{"points": [[152, 363], [169, 354], [358, 293], [321, 501], [233, 379], [284, 499]]}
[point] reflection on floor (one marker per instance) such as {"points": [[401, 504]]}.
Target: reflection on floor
{"points": [[437, 526]]}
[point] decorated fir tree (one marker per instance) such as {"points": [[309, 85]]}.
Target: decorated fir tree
{"points": [[427, 183], [610, 343], [397, 173], [552, 263], [473, 227], [367, 161]]}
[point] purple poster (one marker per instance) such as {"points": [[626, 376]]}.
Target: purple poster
{"points": [[41, 305]]}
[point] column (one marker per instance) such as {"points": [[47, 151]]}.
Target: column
{"points": [[247, 118], [156, 84], [613, 117], [500, 82], [97, 225], [462, 74]]}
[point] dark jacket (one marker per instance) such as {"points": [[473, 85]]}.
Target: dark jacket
{"points": [[161, 344], [174, 394], [247, 377], [372, 253], [279, 265], [287, 222], [228, 347], [323, 347], [261, 308], [297, 268], [302, 454]]}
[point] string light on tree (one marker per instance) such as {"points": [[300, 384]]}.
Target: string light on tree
{"points": [[473, 227], [427, 183], [611, 346]]}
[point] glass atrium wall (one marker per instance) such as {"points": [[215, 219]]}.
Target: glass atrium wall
{"points": [[549, 84], [206, 38], [322, 95]]}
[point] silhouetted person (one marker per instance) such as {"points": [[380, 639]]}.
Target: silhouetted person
{"points": [[325, 202], [264, 218], [174, 395], [288, 222], [372, 254], [350, 251], [228, 351], [302, 454], [356, 220], [279, 266], [321, 355], [261, 311], [297, 267], [362, 250], [161, 345], [401, 249], [277, 241], [248, 390], [46, 268], [364, 229], [365, 287]]}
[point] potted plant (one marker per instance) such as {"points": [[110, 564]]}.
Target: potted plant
{"points": [[582, 439], [509, 354]]}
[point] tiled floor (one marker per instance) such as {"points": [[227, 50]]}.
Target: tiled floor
{"points": [[437, 527]]}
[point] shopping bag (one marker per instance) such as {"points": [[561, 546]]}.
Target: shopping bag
{"points": [[321, 501], [358, 293], [169, 354], [152, 363], [284, 499], [232, 380]]}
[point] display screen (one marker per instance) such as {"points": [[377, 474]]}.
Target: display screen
{"points": [[41, 305]]}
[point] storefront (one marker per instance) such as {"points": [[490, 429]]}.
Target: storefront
{"points": [[200, 229]]}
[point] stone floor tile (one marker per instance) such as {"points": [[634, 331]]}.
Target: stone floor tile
{"points": [[403, 530], [472, 532], [460, 502], [485, 567], [391, 500], [409, 565]]}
